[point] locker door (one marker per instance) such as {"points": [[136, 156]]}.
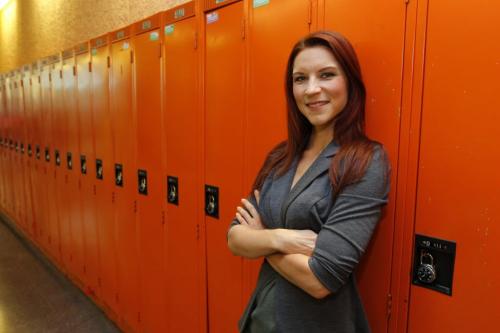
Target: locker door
{"points": [[27, 134], [71, 211], [86, 169], [458, 180], [44, 153], [224, 107], [17, 126], [147, 49], [376, 30], [57, 145], [3, 138], [181, 119], [123, 122], [38, 210], [104, 179], [271, 38], [8, 131]]}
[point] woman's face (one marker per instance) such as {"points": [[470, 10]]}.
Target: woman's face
{"points": [[319, 86]]}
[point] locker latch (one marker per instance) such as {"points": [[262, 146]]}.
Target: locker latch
{"points": [[47, 154], [69, 161], [98, 169], [142, 177], [119, 175], [22, 148], [37, 152], [212, 201], [83, 164], [173, 190], [30, 152], [57, 157], [16, 145]]}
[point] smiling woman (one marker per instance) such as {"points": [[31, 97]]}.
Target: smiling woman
{"points": [[317, 199]]}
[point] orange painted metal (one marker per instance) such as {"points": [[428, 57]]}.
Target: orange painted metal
{"points": [[71, 212], [270, 39], [181, 114], [102, 132], [458, 182], [376, 30], [86, 156], [224, 128], [150, 155], [123, 124]]}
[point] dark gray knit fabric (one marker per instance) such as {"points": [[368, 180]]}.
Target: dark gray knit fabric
{"points": [[344, 229]]}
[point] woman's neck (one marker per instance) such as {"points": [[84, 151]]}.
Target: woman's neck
{"points": [[319, 139]]}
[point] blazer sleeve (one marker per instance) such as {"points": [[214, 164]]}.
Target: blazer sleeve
{"points": [[349, 226]]}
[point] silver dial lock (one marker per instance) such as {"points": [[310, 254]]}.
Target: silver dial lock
{"points": [[426, 272], [211, 204]]}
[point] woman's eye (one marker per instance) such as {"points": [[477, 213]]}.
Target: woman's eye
{"points": [[299, 79], [327, 75]]}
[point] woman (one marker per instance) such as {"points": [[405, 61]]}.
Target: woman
{"points": [[317, 199]]}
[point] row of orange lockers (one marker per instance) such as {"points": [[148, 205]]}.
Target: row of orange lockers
{"points": [[112, 152]]}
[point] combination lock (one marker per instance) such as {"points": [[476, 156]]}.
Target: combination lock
{"points": [[426, 271]]}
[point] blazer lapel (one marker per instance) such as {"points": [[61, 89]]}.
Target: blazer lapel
{"points": [[319, 166]]}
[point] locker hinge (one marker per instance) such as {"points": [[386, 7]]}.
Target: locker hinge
{"points": [[389, 305], [112, 197], [138, 317], [95, 190], [309, 14], [90, 66], [79, 184], [196, 40], [109, 61], [131, 57], [74, 70], [197, 231], [243, 29], [163, 218], [159, 50], [135, 206], [60, 74], [117, 298]]}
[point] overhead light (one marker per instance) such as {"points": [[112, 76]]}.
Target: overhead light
{"points": [[3, 3]]}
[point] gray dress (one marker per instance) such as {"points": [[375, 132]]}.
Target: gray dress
{"points": [[344, 228]]}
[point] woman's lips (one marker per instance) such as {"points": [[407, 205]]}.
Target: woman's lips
{"points": [[316, 104]]}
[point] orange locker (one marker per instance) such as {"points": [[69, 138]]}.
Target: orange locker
{"points": [[149, 179], [70, 164], [270, 39], [103, 175], [44, 153], [86, 168], [17, 166], [457, 180], [376, 30], [27, 134], [125, 177], [3, 139], [224, 120], [38, 207], [57, 144], [10, 198], [182, 117]]}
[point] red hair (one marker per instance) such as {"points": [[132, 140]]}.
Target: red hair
{"points": [[356, 149]]}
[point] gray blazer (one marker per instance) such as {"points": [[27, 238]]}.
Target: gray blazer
{"points": [[344, 228]]}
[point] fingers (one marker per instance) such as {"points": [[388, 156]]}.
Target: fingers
{"points": [[241, 219], [256, 193], [250, 208], [244, 214]]}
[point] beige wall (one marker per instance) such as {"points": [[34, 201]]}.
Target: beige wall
{"points": [[32, 29]]}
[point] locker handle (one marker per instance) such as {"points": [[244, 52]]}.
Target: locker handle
{"points": [[173, 190], [212, 201]]}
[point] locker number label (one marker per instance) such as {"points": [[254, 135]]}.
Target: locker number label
{"points": [[179, 13], [169, 29], [212, 17], [260, 3], [155, 35]]}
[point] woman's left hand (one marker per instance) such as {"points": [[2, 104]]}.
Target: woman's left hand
{"points": [[248, 215]]}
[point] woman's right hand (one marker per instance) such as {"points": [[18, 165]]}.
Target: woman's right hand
{"points": [[292, 241]]}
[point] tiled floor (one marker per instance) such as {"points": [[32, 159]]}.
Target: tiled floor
{"points": [[34, 298]]}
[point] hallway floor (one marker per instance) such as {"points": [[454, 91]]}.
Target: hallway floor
{"points": [[36, 298]]}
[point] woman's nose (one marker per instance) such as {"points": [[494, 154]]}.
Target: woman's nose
{"points": [[313, 87]]}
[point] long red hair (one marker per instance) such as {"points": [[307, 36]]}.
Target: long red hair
{"points": [[356, 149]]}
